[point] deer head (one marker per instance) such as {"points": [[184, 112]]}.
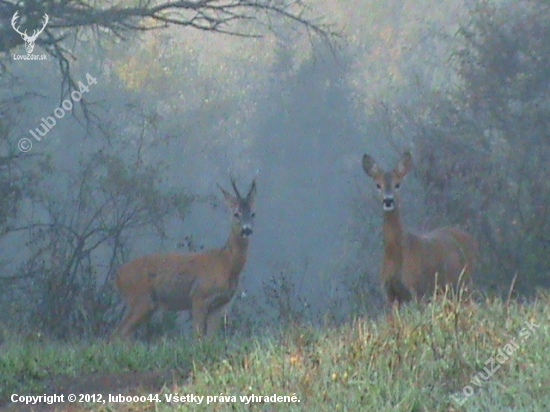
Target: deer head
{"points": [[241, 207], [388, 183]]}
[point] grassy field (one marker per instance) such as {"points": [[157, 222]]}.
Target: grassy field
{"points": [[446, 356]]}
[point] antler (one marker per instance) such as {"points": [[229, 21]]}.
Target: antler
{"points": [[13, 20], [235, 188], [252, 189], [35, 32]]}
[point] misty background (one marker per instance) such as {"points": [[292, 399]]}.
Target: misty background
{"points": [[175, 111]]}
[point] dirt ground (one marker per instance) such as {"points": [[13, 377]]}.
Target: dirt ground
{"points": [[126, 383]]}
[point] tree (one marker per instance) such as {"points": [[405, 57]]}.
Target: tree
{"points": [[484, 147], [84, 237], [69, 19]]}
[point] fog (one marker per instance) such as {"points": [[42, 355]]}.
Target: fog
{"points": [[192, 109]]}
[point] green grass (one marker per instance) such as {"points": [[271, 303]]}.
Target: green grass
{"points": [[415, 362]]}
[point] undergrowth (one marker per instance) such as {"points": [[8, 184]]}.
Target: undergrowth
{"points": [[444, 356]]}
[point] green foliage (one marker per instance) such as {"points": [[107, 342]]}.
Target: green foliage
{"points": [[415, 362]]}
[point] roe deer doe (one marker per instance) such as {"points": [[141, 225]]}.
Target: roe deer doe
{"points": [[202, 282], [415, 264]]}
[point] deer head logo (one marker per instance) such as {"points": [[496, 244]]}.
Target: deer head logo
{"points": [[29, 40]]}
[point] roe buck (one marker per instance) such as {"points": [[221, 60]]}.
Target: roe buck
{"points": [[415, 264], [202, 282]]}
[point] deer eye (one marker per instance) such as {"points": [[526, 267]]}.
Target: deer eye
{"points": [[378, 186], [397, 185], [237, 214], [253, 215]]}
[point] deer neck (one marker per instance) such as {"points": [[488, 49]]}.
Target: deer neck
{"points": [[235, 249], [393, 237]]}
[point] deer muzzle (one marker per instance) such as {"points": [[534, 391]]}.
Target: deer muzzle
{"points": [[388, 203], [246, 230]]}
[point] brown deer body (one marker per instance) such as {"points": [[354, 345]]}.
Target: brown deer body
{"points": [[415, 265], [203, 282]]}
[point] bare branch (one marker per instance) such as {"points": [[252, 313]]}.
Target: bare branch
{"points": [[242, 18]]}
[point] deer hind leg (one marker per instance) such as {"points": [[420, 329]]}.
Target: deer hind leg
{"points": [[137, 312]]}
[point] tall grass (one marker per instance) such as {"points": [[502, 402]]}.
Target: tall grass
{"points": [[426, 358]]}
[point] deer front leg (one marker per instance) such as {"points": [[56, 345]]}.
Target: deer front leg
{"points": [[199, 313], [396, 290], [214, 321]]}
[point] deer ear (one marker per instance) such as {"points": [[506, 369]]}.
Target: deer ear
{"points": [[404, 164], [370, 167]]}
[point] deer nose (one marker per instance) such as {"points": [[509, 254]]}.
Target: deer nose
{"points": [[389, 203], [246, 230]]}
